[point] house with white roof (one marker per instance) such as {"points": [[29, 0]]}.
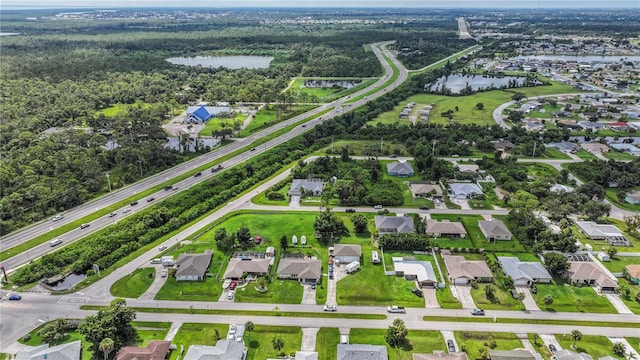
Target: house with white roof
{"points": [[362, 352], [311, 187], [415, 270], [524, 273], [68, 351], [224, 350], [464, 190], [596, 231]]}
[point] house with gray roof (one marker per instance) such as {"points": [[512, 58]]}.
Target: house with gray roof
{"points": [[68, 351], [426, 190], [347, 253], [524, 273], [494, 230], [596, 231], [628, 148], [254, 267], [633, 197], [570, 355], [193, 266], [557, 188], [445, 228], [564, 146], [513, 355], [441, 355], [593, 125], [462, 271], [464, 190], [306, 355], [305, 270], [394, 224], [362, 352], [311, 187], [400, 169], [224, 350]]}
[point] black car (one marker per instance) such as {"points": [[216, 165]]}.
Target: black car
{"points": [[150, 199], [197, 174], [393, 156], [514, 294], [552, 348], [424, 208], [534, 289], [168, 187], [134, 203], [417, 292], [253, 149], [451, 346], [350, 210]]}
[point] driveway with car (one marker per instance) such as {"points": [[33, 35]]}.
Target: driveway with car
{"points": [[157, 283], [308, 295], [529, 303]]}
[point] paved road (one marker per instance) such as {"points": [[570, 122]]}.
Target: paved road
{"points": [[79, 212]]}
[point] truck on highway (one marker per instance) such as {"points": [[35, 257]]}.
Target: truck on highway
{"points": [[395, 309]]}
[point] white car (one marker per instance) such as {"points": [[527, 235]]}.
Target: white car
{"points": [[57, 218], [230, 295], [163, 273], [330, 308], [126, 211], [162, 247]]}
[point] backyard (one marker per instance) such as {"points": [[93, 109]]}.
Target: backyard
{"points": [[572, 299], [197, 334], [472, 342], [596, 346]]}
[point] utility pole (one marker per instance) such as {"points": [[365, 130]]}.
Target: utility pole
{"points": [[381, 143], [108, 180], [534, 148], [332, 145]]}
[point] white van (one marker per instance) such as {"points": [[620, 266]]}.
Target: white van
{"points": [[55, 242], [344, 339], [375, 257]]}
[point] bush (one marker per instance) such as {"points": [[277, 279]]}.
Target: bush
{"points": [[26, 338]]}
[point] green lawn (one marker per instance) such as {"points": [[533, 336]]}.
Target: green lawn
{"points": [[261, 199], [268, 117], [585, 155], [572, 299], [503, 299], [403, 183], [134, 284], [618, 263], [327, 341], [539, 345], [260, 345], [197, 334], [220, 124], [117, 108], [417, 341], [596, 346], [279, 292], [540, 169], [634, 342], [618, 155], [364, 148], [328, 94], [472, 342], [445, 296]]}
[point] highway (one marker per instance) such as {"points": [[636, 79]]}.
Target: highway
{"points": [[114, 197]]}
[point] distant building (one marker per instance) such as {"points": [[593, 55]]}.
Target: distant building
{"points": [[556, 188], [311, 187], [202, 114]]}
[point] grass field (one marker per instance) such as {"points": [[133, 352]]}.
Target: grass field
{"points": [[134, 284], [634, 342], [328, 94], [596, 346], [472, 342], [618, 262], [503, 299], [417, 341], [220, 124], [259, 341], [117, 108], [572, 299], [268, 117], [279, 292], [618, 155], [197, 334], [585, 155], [327, 340]]}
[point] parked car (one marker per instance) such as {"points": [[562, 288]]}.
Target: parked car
{"points": [[350, 210], [313, 286], [197, 174], [84, 226], [230, 295], [552, 348], [57, 218], [233, 285], [162, 247], [534, 289], [477, 312], [134, 203], [330, 308], [417, 292], [451, 346], [514, 293], [163, 273], [393, 156], [424, 208], [14, 297], [150, 199]]}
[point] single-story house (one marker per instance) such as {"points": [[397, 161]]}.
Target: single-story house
{"points": [[420, 271], [224, 350], [533, 125], [155, 350], [603, 256], [572, 125], [347, 253], [634, 273], [593, 125], [305, 270], [633, 197], [252, 266], [557, 188], [312, 187], [68, 351], [503, 145], [467, 168], [634, 124], [426, 190], [494, 230], [524, 273], [306, 355], [628, 148], [564, 146], [513, 355], [400, 169], [193, 266], [618, 126], [445, 228], [394, 224], [462, 272], [441, 355], [595, 147], [464, 190], [588, 273], [570, 355], [361, 352], [201, 114], [598, 231]]}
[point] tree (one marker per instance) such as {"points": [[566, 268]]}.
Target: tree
{"points": [[619, 349], [113, 322], [624, 291], [556, 263], [479, 106], [249, 326], [244, 237], [359, 223], [328, 225], [106, 346], [53, 331], [576, 336], [396, 333], [284, 243], [547, 300], [277, 343], [612, 251], [594, 209], [518, 97], [490, 291]]}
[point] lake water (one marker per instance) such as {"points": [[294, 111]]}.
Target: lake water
{"points": [[68, 281], [8, 34], [229, 62], [477, 82], [346, 84], [583, 58]]}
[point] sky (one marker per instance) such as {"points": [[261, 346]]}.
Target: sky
{"points": [[328, 3]]}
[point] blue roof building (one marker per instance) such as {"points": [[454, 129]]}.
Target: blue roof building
{"points": [[202, 114]]}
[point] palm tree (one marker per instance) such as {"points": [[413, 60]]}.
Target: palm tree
{"points": [[277, 343], [575, 336], [106, 346]]}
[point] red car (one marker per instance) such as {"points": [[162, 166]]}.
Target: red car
{"points": [[233, 285]]}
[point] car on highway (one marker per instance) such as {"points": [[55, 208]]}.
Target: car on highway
{"points": [[424, 208], [57, 218], [150, 199], [84, 226], [162, 247], [304, 125], [330, 308], [197, 174], [350, 210], [230, 295], [112, 214], [134, 203], [378, 207], [393, 156], [253, 149], [451, 346], [233, 285], [55, 242], [14, 297], [477, 312], [126, 211], [163, 273], [168, 187]]}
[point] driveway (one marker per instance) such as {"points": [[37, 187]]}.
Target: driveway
{"points": [[549, 339], [308, 295], [295, 202], [430, 299], [309, 339], [529, 303], [464, 296], [629, 349], [464, 204], [617, 303], [331, 289], [526, 344], [448, 335], [158, 281]]}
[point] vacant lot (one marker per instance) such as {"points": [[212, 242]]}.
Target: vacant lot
{"points": [[472, 342], [134, 284], [572, 299], [417, 341], [259, 341], [327, 341], [596, 346]]}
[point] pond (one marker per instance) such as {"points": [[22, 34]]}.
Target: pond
{"points": [[68, 282], [456, 83], [318, 83], [583, 58], [229, 62]]}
